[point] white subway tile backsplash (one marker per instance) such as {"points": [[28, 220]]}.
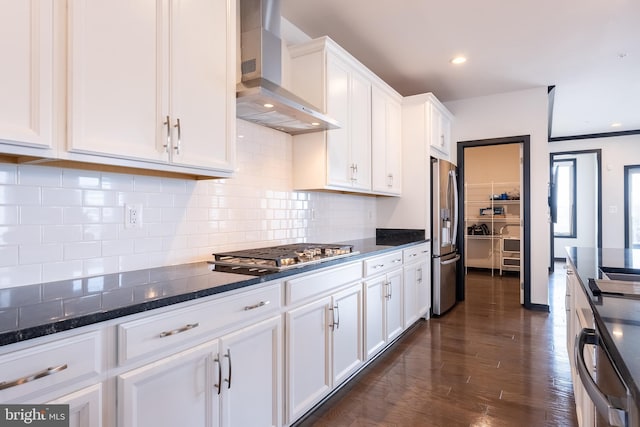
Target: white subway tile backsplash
{"points": [[20, 235], [9, 215], [41, 253], [8, 173], [76, 178], [69, 223], [61, 233], [37, 175], [40, 215], [19, 195], [8, 255], [61, 197], [82, 250]]}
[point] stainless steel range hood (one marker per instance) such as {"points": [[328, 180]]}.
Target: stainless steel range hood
{"points": [[259, 96]]}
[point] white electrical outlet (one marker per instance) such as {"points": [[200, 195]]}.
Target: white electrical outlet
{"points": [[133, 216]]}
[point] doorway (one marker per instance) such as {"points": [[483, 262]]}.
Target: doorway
{"points": [[575, 201], [508, 195]]}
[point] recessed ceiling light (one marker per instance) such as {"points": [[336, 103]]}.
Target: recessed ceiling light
{"points": [[268, 105], [315, 124], [458, 60], [616, 125], [622, 55]]}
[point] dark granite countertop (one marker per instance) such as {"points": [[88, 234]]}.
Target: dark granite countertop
{"points": [[33, 311], [617, 318]]}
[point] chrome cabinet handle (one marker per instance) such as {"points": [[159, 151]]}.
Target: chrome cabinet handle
{"points": [[258, 305], [41, 374], [185, 328], [397, 260], [219, 385], [168, 143], [336, 313], [390, 290], [228, 380], [420, 275], [610, 407], [179, 128], [378, 266], [390, 180], [412, 255]]}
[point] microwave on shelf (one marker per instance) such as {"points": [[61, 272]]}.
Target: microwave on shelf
{"points": [[510, 244]]}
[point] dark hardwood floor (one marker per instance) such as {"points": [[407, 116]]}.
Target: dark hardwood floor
{"points": [[488, 362]]}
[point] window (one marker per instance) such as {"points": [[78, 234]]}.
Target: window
{"points": [[564, 178], [632, 206]]}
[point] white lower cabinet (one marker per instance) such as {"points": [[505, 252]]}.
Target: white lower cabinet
{"points": [[252, 375], [85, 406], [211, 384], [417, 283], [384, 303], [324, 347], [182, 389]]}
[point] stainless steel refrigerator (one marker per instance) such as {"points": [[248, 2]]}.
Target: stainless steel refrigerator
{"points": [[444, 233]]}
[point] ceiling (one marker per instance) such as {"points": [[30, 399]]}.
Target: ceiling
{"points": [[588, 49]]}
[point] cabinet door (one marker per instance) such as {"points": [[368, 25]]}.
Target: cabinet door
{"points": [[360, 130], [375, 306], [26, 75], [85, 406], [308, 356], [386, 152], [117, 78], [252, 372], [339, 164], [347, 333], [417, 291], [203, 82], [395, 305], [179, 390], [439, 129]]}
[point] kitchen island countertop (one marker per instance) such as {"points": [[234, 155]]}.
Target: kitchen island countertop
{"points": [[617, 318], [33, 311]]}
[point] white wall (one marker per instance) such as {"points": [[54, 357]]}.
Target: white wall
{"points": [[586, 206], [58, 223], [616, 153], [512, 114]]}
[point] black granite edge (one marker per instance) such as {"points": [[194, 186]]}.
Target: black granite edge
{"points": [[603, 331], [366, 247]]}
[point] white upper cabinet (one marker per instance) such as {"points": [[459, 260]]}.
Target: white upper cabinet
{"points": [[386, 141], [26, 77], [153, 82], [431, 126], [329, 78]]}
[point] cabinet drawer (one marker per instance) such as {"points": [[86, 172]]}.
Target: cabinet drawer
{"points": [[168, 330], [310, 285], [382, 263], [418, 252], [49, 366]]}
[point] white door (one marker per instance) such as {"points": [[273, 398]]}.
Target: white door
{"points": [[375, 322], [179, 390], [360, 130], [202, 82], [118, 75], [26, 74], [252, 372], [339, 164], [423, 273], [347, 333], [308, 356], [85, 406], [395, 305]]}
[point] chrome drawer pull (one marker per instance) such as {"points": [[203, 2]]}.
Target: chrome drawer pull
{"points": [[228, 380], [219, 385], [258, 305], [396, 260], [185, 328], [44, 373], [378, 266]]}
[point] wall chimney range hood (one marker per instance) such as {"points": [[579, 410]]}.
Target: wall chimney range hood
{"points": [[259, 96]]}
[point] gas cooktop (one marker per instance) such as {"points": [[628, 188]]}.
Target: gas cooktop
{"points": [[278, 258]]}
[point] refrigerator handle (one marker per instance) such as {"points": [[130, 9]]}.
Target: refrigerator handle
{"points": [[454, 183]]}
